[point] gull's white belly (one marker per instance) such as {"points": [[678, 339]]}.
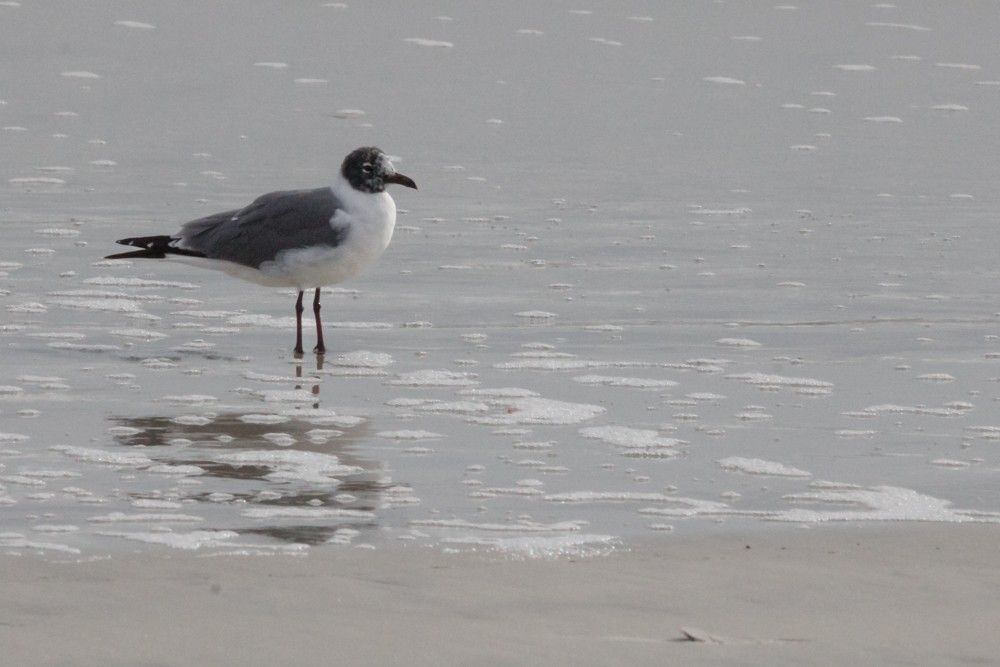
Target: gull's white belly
{"points": [[369, 230]]}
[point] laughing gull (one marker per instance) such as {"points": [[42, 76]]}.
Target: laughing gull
{"points": [[294, 238]]}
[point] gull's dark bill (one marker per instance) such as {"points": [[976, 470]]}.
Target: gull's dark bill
{"points": [[399, 179]]}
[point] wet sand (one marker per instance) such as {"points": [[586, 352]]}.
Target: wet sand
{"points": [[887, 595]]}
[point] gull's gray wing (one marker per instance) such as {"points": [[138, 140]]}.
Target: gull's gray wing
{"points": [[274, 222]]}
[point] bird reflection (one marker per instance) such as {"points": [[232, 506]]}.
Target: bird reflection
{"points": [[298, 374], [224, 447]]}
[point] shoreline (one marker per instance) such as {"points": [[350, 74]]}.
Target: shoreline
{"points": [[898, 594]]}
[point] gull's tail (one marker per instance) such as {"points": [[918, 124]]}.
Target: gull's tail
{"points": [[153, 247]]}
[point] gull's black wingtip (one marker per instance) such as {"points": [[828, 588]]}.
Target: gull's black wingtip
{"points": [[137, 254], [151, 247]]}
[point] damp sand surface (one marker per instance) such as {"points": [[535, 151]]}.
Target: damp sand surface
{"points": [[902, 595]]}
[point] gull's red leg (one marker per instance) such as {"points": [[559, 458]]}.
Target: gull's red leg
{"points": [[320, 347], [298, 323]]}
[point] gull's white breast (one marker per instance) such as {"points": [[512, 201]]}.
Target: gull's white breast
{"points": [[369, 220]]}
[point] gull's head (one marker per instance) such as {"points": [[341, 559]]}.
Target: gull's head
{"points": [[369, 170]]}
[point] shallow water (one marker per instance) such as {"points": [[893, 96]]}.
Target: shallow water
{"points": [[670, 269]]}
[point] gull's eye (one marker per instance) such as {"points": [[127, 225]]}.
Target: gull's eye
{"points": [[366, 167]]}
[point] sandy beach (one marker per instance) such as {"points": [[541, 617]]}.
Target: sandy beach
{"points": [[885, 595]]}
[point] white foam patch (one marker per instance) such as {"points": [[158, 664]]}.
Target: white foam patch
{"points": [[58, 232], [354, 372], [628, 382], [31, 307], [21, 480], [459, 407], [536, 315], [725, 80], [513, 527], [533, 410], [44, 381], [57, 335], [263, 419], [429, 43], [547, 360], [139, 334], [985, 432], [766, 380], [187, 541], [740, 210], [124, 431], [131, 283], [321, 417], [900, 26], [191, 420], [99, 305], [305, 513], [180, 470], [891, 409], [189, 399], [966, 66], [705, 396], [158, 364], [550, 363], [689, 507], [54, 528], [279, 439], [880, 503], [498, 491], [36, 180], [408, 435], [83, 347], [587, 497], [290, 465], [145, 517], [635, 441], [738, 342], [104, 457], [11, 540], [760, 467], [536, 547], [435, 378], [950, 463], [359, 325], [154, 504], [408, 402], [267, 321], [50, 474], [280, 395], [137, 25], [207, 314], [936, 377], [364, 359], [263, 377], [502, 392]]}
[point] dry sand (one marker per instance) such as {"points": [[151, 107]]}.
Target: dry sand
{"points": [[898, 595]]}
